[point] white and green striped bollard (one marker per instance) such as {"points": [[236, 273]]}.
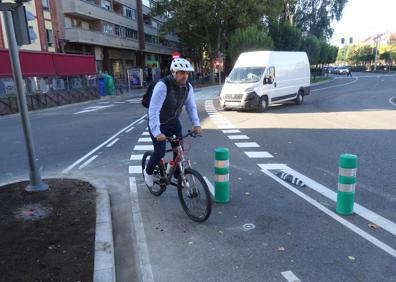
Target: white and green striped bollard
{"points": [[222, 176], [346, 184]]}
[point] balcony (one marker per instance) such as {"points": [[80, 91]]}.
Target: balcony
{"points": [[99, 38], [158, 49], [92, 12]]}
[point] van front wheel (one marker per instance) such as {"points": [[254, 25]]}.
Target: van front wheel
{"points": [[263, 104], [300, 98]]}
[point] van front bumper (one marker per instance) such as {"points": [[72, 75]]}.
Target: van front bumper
{"points": [[250, 101]]}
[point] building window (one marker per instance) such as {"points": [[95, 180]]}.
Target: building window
{"points": [[32, 34], [105, 4], [129, 13], [146, 3], [50, 37], [131, 34], [154, 24], [45, 4], [107, 28]]}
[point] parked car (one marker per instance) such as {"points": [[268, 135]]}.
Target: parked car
{"points": [[342, 70]]}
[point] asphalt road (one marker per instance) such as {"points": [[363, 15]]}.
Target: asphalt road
{"points": [[291, 230]]}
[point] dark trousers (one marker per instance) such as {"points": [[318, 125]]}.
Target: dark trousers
{"points": [[160, 146]]}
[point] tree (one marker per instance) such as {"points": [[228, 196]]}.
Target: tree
{"points": [[311, 45], [324, 52], [248, 39], [286, 37], [208, 23], [315, 16]]}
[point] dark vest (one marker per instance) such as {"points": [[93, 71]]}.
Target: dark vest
{"points": [[174, 102]]}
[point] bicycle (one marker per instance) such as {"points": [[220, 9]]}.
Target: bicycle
{"points": [[196, 203]]}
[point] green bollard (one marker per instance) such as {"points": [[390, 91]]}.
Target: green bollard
{"points": [[222, 177], [346, 184]]}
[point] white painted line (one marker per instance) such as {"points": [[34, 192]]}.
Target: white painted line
{"points": [[129, 130], [144, 140], [210, 186], [335, 216], [231, 131], [146, 271], [290, 277], [391, 101], [119, 102], [135, 169], [93, 109], [234, 137], [133, 100], [135, 157], [87, 162], [358, 209], [140, 122], [112, 142], [146, 133], [273, 166], [256, 155], [69, 168], [247, 145], [143, 148], [334, 86]]}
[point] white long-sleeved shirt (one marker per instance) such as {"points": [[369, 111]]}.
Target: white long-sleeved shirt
{"points": [[156, 102]]}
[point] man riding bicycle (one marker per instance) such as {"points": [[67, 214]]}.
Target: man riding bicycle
{"points": [[164, 111]]}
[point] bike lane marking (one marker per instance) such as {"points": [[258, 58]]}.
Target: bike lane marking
{"points": [[69, 168], [290, 276], [266, 170]]}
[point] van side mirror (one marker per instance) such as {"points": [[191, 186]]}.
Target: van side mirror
{"points": [[267, 80]]}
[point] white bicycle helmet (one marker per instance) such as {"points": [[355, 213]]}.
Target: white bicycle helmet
{"points": [[180, 64]]}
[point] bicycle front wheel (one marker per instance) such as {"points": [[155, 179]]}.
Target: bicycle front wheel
{"points": [[158, 187], [194, 195]]}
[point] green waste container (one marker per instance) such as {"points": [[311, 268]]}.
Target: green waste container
{"points": [[109, 84]]}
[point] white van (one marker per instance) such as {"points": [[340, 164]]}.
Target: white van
{"points": [[262, 78]]}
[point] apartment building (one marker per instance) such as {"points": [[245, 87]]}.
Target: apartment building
{"points": [[119, 33], [42, 21]]}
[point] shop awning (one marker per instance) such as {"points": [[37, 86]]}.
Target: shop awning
{"points": [[71, 65]]}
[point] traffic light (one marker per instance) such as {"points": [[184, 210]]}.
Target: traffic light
{"points": [[20, 25]]}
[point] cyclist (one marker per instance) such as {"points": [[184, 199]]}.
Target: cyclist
{"points": [[164, 112]]}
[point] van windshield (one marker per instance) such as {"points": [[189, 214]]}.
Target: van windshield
{"points": [[246, 74]]}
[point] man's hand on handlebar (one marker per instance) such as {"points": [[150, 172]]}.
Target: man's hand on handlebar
{"points": [[160, 137], [197, 130]]}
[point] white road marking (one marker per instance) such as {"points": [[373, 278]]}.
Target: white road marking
{"points": [[333, 215], [146, 272], [234, 137], [334, 86], [135, 157], [119, 102], [140, 122], [210, 186], [129, 130], [69, 168], [87, 162], [112, 142], [247, 145], [231, 131], [273, 166], [143, 148], [135, 169], [290, 277], [358, 209], [93, 109], [144, 140], [133, 100], [146, 133], [391, 101], [256, 155]]}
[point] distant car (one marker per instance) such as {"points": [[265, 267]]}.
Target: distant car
{"points": [[342, 70]]}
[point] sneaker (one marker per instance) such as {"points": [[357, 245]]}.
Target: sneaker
{"points": [[148, 179]]}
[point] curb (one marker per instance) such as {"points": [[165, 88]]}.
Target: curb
{"points": [[323, 82], [104, 266]]}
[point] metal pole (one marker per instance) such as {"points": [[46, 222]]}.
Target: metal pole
{"points": [[219, 79], [36, 184]]}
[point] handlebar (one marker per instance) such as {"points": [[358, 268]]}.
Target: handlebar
{"points": [[190, 133]]}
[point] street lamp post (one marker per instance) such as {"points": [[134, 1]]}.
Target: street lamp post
{"points": [[36, 184]]}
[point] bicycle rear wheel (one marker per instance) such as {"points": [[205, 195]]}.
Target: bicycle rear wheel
{"points": [[194, 195], [158, 187]]}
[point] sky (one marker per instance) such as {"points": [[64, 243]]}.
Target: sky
{"points": [[363, 18]]}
